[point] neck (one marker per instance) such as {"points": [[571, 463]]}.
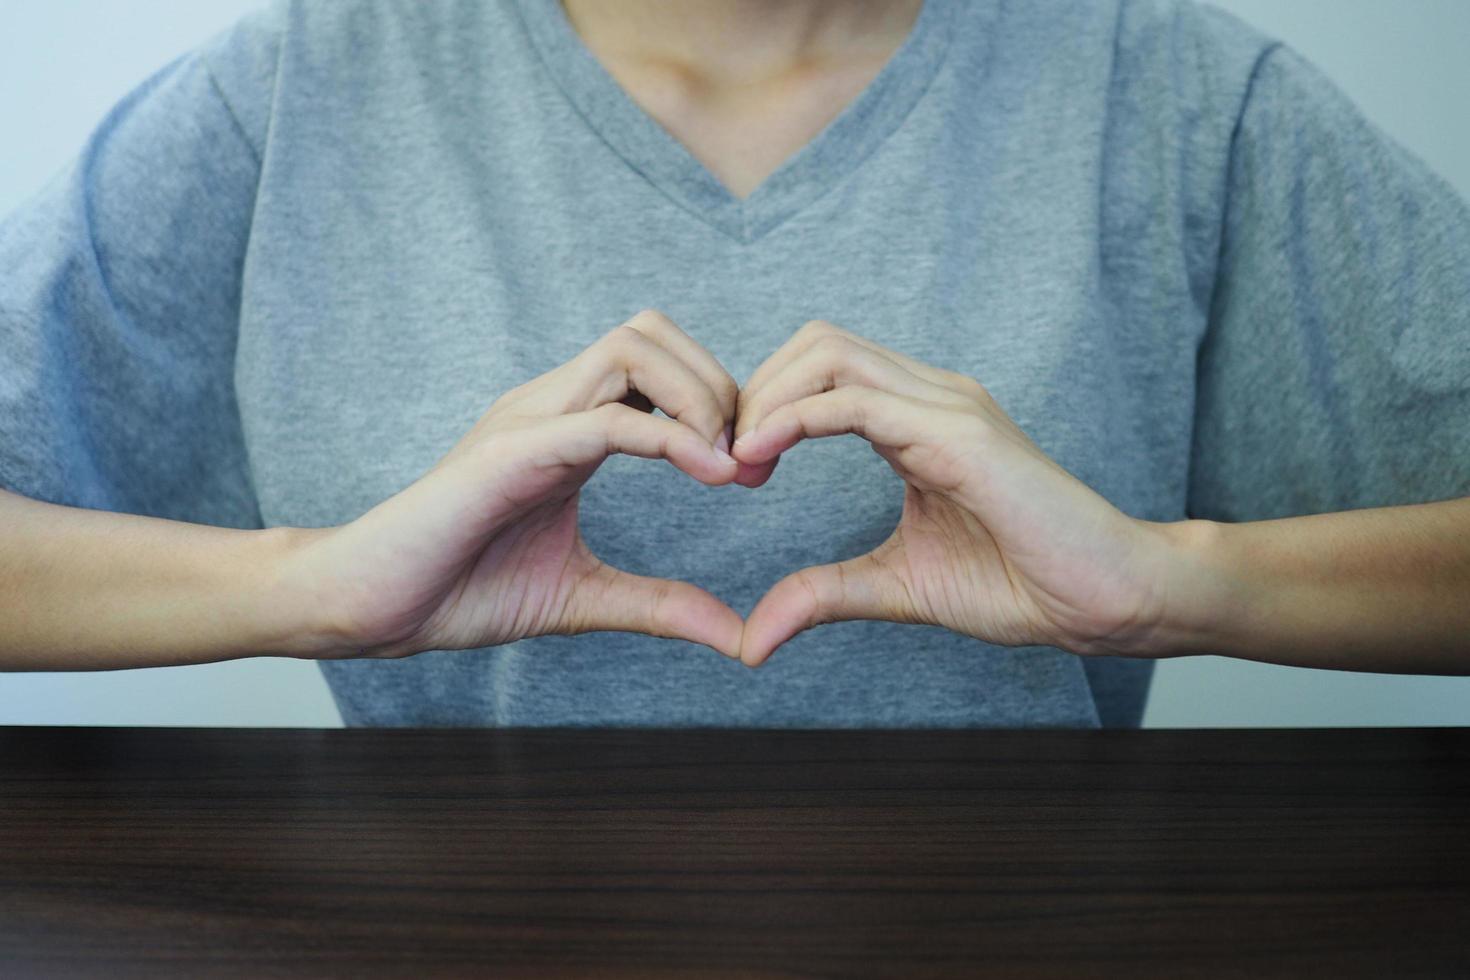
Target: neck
{"points": [[742, 41]]}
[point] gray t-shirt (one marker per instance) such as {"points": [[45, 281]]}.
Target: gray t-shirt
{"points": [[294, 266]]}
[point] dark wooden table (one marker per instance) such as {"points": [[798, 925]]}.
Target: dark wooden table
{"points": [[519, 853]]}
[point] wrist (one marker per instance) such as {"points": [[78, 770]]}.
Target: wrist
{"points": [[1200, 590], [296, 614], [1161, 595]]}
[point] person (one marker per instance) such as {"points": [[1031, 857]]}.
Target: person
{"points": [[405, 337]]}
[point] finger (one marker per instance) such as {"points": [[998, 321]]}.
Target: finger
{"points": [[859, 588], [831, 362], [611, 599], [665, 332], [627, 361], [881, 417], [814, 330], [623, 365], [748, 475], [519, 466], [592, 436]]}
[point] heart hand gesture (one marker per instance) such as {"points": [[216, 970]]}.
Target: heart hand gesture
{"points": [[996, 540]]}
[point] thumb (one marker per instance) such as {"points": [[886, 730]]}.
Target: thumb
{"points": [[609, 598], [859, 588]]}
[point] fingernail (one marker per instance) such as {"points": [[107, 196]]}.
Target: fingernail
{"points": [[723, 456], [744, 439], [722, 444]]}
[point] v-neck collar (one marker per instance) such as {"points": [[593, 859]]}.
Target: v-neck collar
{"points": [[841, 146]]}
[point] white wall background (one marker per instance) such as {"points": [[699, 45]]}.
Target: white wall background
{"points": [[63, 63]]}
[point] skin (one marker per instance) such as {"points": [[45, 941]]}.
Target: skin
{"points": [[742, 109], [776, 37]]}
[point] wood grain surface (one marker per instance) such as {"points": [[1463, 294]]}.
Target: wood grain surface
{"points": [[724, 854]]}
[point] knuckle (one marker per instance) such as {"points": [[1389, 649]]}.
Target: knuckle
{"points": [[972, 385], [816, 328], [611, 415], [621, 346], [649, 318], [624, 335], [659, 619], [614, 424], [814, 610]]}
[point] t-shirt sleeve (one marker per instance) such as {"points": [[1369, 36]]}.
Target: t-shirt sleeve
{"points": [[1334, 372], [120, 291]]}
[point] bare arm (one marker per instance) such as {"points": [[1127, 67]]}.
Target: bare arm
{"points": [[1382, 589], [92, 590]]}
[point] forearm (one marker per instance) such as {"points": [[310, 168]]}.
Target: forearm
{"points": [[92, 590], [1383, 589]]}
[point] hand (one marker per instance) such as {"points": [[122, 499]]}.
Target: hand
{"points": [[485, 547], [995, 540]]}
